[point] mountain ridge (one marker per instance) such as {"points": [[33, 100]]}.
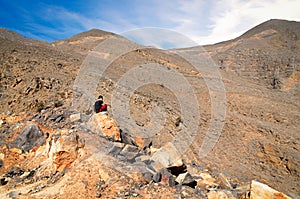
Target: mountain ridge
{"points": [[259, 141]]}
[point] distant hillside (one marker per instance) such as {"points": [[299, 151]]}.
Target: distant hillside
{"points": [[9, 35], [268, 53]]}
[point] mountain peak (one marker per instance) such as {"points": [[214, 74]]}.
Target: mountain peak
{"points": [[89, 33], [279, 25]]}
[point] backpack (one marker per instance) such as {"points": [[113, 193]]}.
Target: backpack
{"points": [[103, 108]]}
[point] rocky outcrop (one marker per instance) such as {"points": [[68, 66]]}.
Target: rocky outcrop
{"points": [[30, 137], [105, 126]]}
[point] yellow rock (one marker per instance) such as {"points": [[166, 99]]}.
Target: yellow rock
{"points": [[262, 191], [15, 150]]}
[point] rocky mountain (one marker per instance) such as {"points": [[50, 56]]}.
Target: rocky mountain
{"points": [[49, 148], [268, 53]]}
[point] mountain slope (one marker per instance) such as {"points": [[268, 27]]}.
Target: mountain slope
{"points": [[268, 53], [260, 138]]}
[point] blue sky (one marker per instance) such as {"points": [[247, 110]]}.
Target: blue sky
{"points": [[202, 21]]}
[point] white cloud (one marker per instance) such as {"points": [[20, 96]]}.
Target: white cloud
{"points": [[231, 18], [203, 21], [208, 22]]}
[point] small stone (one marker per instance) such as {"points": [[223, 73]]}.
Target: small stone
{"points": [[143, 158], [167, 178], [186, 179], [206, 182], [157, 177], [43, 111], [126, 138], [260, 154], [3, 181], [25, 174], [13, 194], [181, 178], [185, 193], [130, 148], [2, 122], [129, 152], [147, 177], [142, 143], [116, 148], [75, 117], [15, 150]]}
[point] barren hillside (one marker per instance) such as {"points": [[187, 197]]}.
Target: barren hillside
{"points": [[51, 149]]}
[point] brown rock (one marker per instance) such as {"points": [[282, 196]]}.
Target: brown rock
{"points": [[223, 194], [167, 178], [15, 150], [63, 149], [105, 125], [142, 143], [75, 117], [262, 191], [206, 181]]}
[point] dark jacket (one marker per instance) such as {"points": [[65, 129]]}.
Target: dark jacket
{"points": [[98, 105]]}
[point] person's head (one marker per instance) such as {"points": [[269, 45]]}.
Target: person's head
{"points": [[100, 97]]}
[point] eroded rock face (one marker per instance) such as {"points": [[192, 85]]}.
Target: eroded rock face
{"points": [[29, 137]]}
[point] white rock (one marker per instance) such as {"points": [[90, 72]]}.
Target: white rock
{"points": [[181, 177], [166, 156], [261, 191], [75, 117]]}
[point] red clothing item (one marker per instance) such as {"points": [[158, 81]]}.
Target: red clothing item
{"points": [[103, 108]]}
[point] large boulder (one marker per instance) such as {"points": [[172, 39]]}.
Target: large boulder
{"points": [[262, 191], [29, 137], [61, 150], [105, 126], [64, 149], [166, 157]]}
